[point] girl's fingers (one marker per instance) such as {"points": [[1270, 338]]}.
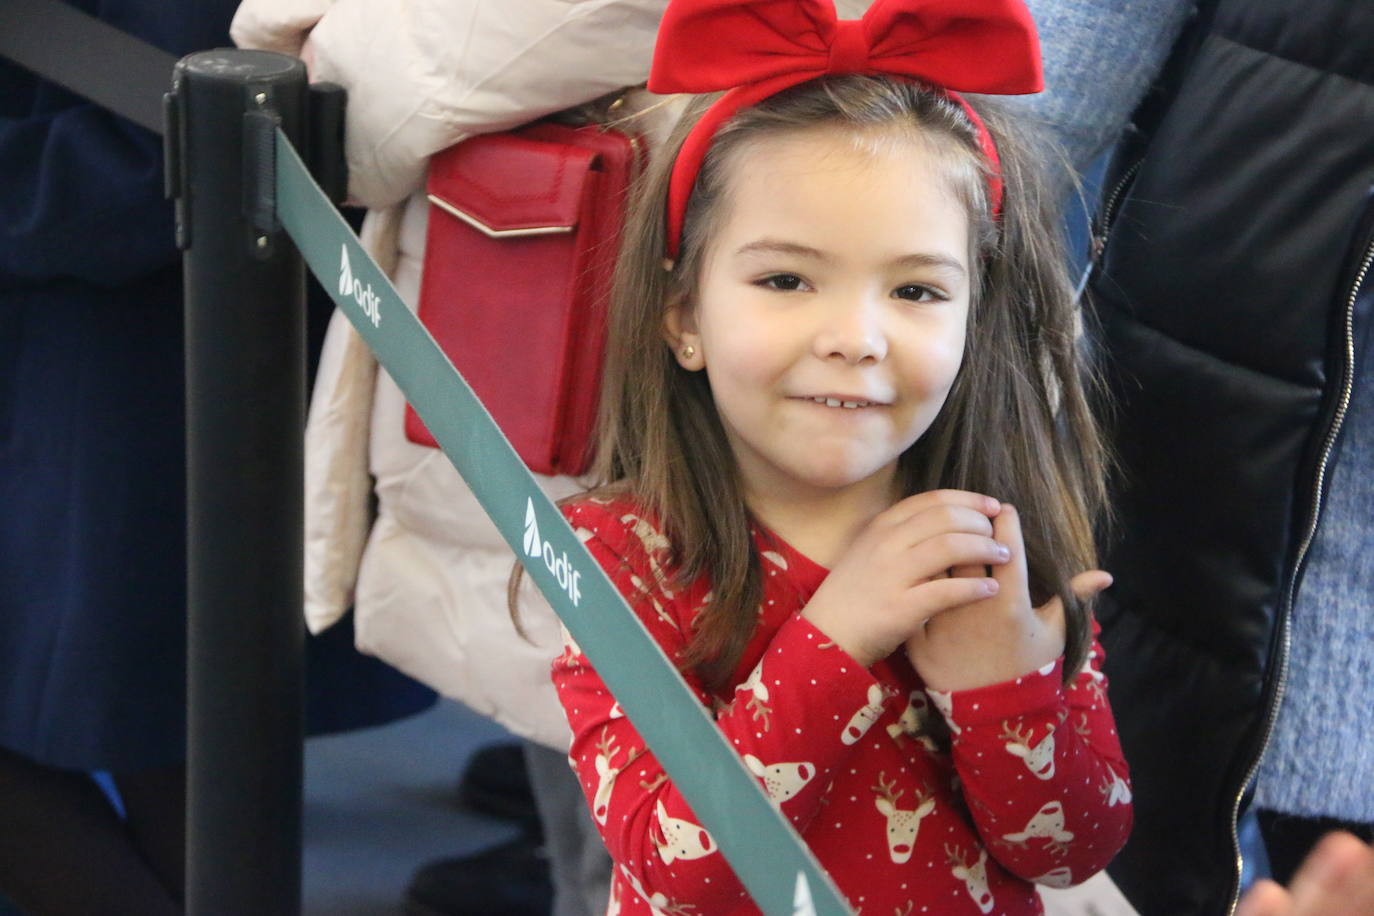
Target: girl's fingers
{"points": [[937, 555], [914, 505], [938, 520], [939, 595], [1006, 528], [1086, 585]]}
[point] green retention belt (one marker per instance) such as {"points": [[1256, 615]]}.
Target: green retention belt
{"points": [[764, 850]]}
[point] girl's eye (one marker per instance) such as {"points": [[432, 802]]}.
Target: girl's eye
{"points": [[784, 283], [914, 293]]}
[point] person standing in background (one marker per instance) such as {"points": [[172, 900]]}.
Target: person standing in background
{"points": [[1233, 290], [92, 471], [92, 484]]}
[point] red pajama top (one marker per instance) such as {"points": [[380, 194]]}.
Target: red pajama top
{"points": [[914, 800]]}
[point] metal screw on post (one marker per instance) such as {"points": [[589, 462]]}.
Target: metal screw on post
{"points": [[245, 389]]}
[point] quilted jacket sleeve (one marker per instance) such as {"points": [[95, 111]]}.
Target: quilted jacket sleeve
{"points": [[423, 74]]}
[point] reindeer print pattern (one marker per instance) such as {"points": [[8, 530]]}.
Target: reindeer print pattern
{"points": [[1116, 790], [647, 594], [777, 559], [1039, 756], [1090, 676], [945, 703], [914, 723], [1059, 877], [974, 874], [859, 724], [681, 839], [757, 704], [845, 753], [655, 547], [658, 904], [1048, 823], [606, 774], [902, 824], [781, 780]]}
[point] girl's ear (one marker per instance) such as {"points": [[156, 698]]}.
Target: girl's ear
{"points": [[680, 331]]}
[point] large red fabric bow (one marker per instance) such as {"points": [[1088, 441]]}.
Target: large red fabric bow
{"points": [[756, 49]]}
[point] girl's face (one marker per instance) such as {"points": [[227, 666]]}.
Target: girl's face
{"points": [[830, 310]]}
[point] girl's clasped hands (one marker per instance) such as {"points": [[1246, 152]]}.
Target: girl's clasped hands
{"points": [[942, 574]]}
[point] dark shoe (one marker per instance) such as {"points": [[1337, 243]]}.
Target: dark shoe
{"points": [[507, 880], [495, 782]]}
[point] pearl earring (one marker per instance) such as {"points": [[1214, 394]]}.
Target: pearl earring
{"points": [[689, 351]]}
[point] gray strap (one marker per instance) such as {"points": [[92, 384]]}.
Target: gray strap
{"points": [[110, 67]]}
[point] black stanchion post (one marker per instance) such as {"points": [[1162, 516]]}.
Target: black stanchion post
{"points": [[245, 388]]}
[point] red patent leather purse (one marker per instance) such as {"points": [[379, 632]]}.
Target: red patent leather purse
{"points": [[524, 229]]}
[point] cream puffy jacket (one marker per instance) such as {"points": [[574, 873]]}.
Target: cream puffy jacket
{"points": [[427, 575]]}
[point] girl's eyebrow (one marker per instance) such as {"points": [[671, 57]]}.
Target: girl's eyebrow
{"points": [[938, 261], [917, 260], [777, 246]]}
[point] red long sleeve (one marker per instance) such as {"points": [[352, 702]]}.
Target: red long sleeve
{"points": [[906, 808]]}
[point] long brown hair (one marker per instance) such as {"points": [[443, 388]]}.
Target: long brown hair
{"points": [[1016, 424]]}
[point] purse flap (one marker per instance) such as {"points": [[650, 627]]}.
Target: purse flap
{"points": [[506, 185]]}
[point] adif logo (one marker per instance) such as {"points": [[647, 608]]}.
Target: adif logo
{"points": [[559, 566], [367, 300]]}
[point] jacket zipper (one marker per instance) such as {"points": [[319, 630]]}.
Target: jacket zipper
{"points": [[1281, 684], [1104, 227]]}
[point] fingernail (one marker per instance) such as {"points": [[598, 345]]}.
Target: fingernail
{"points": [[1003, 551], [990, 586], [991, 505]]}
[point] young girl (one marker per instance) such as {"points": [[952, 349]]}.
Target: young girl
{"points": [[851, 477]]}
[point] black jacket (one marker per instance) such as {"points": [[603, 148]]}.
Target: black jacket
{"points": [[1232, 293]]}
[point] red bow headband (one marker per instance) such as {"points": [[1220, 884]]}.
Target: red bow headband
{"points": [[757, 48]]}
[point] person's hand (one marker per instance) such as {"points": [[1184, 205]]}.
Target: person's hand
{"points": [[1000, 637], [893, 577], [1336, 879]]}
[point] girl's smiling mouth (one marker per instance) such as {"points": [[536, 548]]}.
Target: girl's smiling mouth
{"points": [[840, 401]]}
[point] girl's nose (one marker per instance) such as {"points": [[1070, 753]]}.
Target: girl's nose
{"points": [[853, 333]]}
